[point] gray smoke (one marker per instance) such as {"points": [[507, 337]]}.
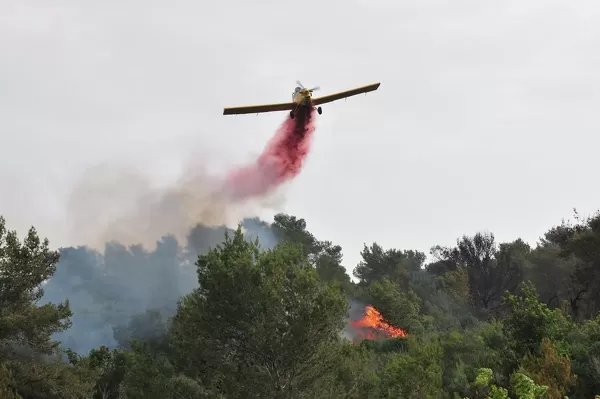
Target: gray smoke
{"points": [[132, 286], [140, 243], [356, 312], [119, 203]]}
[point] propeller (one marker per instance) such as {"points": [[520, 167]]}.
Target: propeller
{"points": [[311, 90]]}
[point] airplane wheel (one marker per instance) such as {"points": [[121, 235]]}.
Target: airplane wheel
{"points": [[292, 114], [320, 110]]}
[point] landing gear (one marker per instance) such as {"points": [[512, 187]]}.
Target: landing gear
{"points": [[320, 110], [292, 114]]}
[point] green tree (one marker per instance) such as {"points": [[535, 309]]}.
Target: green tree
{"points": [[549, 369], [323, 255], [491, 269], [444, 300], [7, 384], [291, 229], [552, 275], [392, 264], [23, 268], [584, 345], [151, 375], [415, 374], [531, 320], [398, 308], [484, 387], [30, 358], [465, 352], [147, 326], [525, 388], [354, 376], [329, 266], [111, 367], [261, 324], [581, 242], [456, 284], [522, 386]]}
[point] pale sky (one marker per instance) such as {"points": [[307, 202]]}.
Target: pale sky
{"points": [[486, 118]]}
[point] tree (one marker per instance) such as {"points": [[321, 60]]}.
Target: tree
{"points": [[112, 367], [525, 388], [584, 351], [260, 324], [531, 320], [266, 320], [552, 276], [329, 266], [140, 372], [29, 356], [467, 351], [456, 284], [550, 369], [23, 268], [323, 255], [355, 376], [414, 374], [581, 243], [291, 229], [484, 387], [149, 326], [393, 264], [444, 300], [398, 308], [491, 270]]}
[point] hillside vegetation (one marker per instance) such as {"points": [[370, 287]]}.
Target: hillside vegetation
{"points": [[264, 312]]}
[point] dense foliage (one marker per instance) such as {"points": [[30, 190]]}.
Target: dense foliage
{"points": [[262, 312]]}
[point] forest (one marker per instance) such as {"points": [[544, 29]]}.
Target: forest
{"points": [[268, 310]]}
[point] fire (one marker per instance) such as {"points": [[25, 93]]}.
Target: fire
{"points": [[372, 325]]}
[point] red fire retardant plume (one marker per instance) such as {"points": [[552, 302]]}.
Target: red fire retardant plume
{"points": [[280, 161]]}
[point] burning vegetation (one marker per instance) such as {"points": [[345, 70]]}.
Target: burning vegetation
{"points": [[373, 326]]}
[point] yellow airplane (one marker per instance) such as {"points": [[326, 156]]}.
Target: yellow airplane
{"points": [[301, 99]]}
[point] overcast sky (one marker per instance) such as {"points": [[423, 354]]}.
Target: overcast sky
{"points": [[486, 118]]}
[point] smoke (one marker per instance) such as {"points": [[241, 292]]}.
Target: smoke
{"points": [[112, 289], [112, 203], [118, 203], [356, 312], [141, 241]]}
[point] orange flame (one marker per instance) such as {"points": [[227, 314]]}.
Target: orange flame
{"points": [[373, 322]]}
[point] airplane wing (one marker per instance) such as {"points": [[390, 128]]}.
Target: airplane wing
{"points": [[344, 94], [254, 109]]}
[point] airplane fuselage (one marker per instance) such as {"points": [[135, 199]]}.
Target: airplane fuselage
{"points": [[302, 96], [303, 99]]}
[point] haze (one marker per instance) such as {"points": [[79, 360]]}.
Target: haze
{"points": [[486, 112]]}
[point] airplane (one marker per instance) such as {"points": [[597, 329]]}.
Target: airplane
{"points": [[301, 99]]}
